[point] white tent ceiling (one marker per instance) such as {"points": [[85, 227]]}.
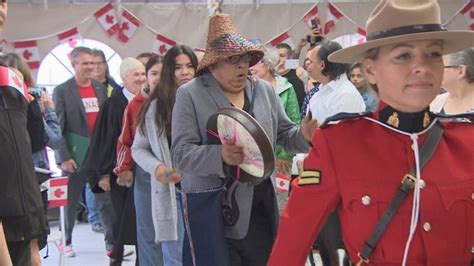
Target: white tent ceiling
{"points": [[186, 21]]}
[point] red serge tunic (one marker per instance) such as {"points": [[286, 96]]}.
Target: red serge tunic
{"points": [[360, 164]]}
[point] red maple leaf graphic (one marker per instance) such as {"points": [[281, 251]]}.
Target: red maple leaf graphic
{"points": [[125, 26], [58, 193], [282, 183], [109, 19], [27, 54], [72, 43], [163, 49], [17, 81]]}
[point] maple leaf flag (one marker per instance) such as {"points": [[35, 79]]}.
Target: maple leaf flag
{"points": [[283, 38], [29, 51], [8, 78], [129, 26], [57, 192], [282, 182], [362, 35], [468, 12], [70, 37], [312, 14], [162, 45], [107, 19], [334, 15]]}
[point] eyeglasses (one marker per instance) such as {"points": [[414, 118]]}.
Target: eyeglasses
{"points": [[235, 59], [451, 66]]}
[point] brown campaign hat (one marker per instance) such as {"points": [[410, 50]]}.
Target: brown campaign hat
{"points": [[396, 21]]}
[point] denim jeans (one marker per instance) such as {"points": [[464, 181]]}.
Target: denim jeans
{"points": [[173, 250], [150, 252], [93, 217]]}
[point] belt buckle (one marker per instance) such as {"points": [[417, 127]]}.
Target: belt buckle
{"points": [[409, 177], [361, 260]]}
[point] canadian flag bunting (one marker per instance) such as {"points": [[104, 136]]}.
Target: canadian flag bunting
{"points": [[57, 192], [11, 79], [162, 45], [107, 19], [282, 182], [70, 37], [283, 38], [334, 15], [129, 26], [468, 12], [29, 51], [362, 35], [312, 14]]}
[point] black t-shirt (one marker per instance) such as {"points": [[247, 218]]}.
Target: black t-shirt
{"points": [[298, 85]]}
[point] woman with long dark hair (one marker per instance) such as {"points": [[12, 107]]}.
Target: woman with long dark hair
{"points": [[151, 150]]}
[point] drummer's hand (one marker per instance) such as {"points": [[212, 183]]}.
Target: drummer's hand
{"points": [[308, 126], [167, 175], [232, 154]]}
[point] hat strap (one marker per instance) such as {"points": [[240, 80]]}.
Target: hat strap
{"points": [[405, 30]]}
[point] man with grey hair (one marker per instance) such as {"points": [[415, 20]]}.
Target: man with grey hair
{"points": [[77, 105], [458, 81], [101, 159]]}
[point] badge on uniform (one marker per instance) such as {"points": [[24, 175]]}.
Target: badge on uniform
{"points": [[310, 177]]}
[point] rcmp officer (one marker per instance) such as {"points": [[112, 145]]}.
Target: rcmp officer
{"points": [[400, 173]]}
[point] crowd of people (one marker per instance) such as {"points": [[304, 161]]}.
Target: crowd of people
{"points": [[349, 126]]}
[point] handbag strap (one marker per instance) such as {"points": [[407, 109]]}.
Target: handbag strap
{"points": [[408, 183]]}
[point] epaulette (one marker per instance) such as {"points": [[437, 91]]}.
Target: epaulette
{"points": [[459, 118], [344, 116]]}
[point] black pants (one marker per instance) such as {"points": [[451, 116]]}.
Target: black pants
{"points": [[255, 248], [20, 253], [330, 239]]}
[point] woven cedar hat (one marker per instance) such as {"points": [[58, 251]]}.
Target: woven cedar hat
{"points": [[396, 21], [224, 41]]}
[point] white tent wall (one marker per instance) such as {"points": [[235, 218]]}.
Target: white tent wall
{"points": [[187, 23]]}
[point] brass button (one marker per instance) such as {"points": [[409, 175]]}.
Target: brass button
{"points": [[472, 196], [366, 200], [427, 227], [422, 183]]}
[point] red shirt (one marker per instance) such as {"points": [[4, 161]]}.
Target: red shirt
{"points": [[124, 143], [91, 105], [360, 159]]}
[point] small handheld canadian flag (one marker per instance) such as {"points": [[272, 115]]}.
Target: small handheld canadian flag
{"points": [[282, 182], [129, 26], [8, 78], [162, 45], [107, 19], [468, 12], [283, 38], [29, 51], [57, 192], [70, 37], [312, 14], [334, 15]]}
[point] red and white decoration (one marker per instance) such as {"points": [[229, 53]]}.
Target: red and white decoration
{"points": [[468, 12], [29, 51], [107, 19], [57, 192], [129, 26], [283, 38], [282, 182], [312, 14], [362, 35], [11, 79], [334, 15], [70, 37], [162, 45]]}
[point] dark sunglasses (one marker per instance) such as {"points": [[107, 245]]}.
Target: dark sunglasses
{"points": [[235, 59]]}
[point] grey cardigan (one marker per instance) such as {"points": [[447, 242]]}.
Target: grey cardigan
{"points": [[149, 152], [201, 165]]}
